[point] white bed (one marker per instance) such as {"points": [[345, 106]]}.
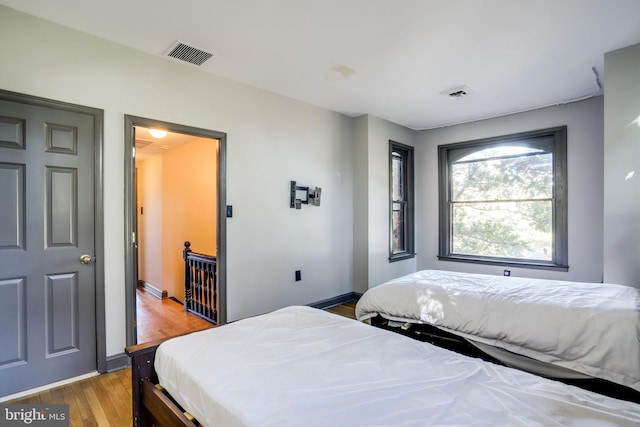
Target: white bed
{"points": [[588, 328], [301, 366]]}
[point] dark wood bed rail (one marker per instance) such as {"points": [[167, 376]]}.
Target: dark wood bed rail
{"points": [[142, 371], [151, 407], [200, 284]]}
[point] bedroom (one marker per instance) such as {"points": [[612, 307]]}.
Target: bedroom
{"points": [[318, 147]]}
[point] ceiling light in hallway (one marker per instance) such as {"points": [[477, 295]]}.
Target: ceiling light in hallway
{"points": [[158, 133]]}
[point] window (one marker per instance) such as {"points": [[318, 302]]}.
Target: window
{"points": [[503, 200], [401, 201]]}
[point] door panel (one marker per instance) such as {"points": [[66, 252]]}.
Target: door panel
{"points": [[13, 318], [12, 206], [11, 132], [47, 297], [61, 206], [62, 314]]}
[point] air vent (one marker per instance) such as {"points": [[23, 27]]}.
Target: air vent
{"points": [[141, 143], [186, 53], [457, 92]]}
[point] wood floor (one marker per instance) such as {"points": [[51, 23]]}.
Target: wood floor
{"points": [[105, 400], [347, 309], [161, 318]]}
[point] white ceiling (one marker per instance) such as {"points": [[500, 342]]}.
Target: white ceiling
{"points": [[388, 58]]}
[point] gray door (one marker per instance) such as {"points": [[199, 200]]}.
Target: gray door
{"points": [[47, 295]]}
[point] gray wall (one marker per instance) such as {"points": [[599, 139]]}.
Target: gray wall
{"points": [[584, 122], [622, 167], [360, 204], [371, 191]]}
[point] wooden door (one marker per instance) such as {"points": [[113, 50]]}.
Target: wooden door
{"points": [[47, 277]]}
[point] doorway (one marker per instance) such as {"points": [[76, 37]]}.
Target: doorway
{"points": [[164, 206]]}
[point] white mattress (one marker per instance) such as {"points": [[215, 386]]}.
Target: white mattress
{"points": [[301, 366], [592, 328]]}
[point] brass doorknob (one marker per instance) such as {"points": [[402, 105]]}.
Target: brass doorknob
{"points": [[85, 259]]}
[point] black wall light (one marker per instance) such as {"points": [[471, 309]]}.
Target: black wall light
{"points": [[304, 195]]}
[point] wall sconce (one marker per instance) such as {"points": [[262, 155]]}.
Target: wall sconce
{"points": [[304, 195]]}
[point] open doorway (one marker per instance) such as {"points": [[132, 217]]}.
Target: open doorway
{"points": [[175, 193]]}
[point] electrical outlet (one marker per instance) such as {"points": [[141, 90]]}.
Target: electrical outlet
{"points": [[507, 273], [298, 275]]}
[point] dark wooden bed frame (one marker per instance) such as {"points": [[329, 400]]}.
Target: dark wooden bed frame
{"points": [[151, 405]]}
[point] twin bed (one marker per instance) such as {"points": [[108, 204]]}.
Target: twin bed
{"points": [[564, 329], [301, 366]]}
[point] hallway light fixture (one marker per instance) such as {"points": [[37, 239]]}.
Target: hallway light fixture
{"points": [[158, 133]]}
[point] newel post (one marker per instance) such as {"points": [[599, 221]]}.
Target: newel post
{"points": [[187, 275]]}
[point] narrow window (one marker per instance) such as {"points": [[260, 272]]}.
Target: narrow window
{"points": [[401, 201], [503, 200]]}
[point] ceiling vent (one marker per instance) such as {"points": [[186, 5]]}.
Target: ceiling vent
{"points": [[186, 53], [457, 92], [141, 143]]}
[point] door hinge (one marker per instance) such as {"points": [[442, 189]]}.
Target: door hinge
{"points": [[133, 237]]}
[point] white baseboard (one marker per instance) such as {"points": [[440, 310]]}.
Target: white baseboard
{"points": [[148, 287]]}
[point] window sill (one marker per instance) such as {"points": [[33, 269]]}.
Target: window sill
{"points": [[540, 265], [400, 257]]}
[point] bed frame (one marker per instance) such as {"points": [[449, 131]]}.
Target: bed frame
{"points": [[152, 406]]}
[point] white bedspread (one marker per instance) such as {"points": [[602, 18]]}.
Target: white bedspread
{"points": [[301, 366], [592, 328]]}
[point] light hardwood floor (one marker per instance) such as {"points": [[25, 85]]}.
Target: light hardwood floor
{"points": [[160, 318], [347, 309], [105, 400]]}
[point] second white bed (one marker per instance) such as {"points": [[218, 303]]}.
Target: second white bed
{"points": [[590, 328]]}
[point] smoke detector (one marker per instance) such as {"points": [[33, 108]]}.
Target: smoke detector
{"points": [[457, 92], [184, 52]]}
